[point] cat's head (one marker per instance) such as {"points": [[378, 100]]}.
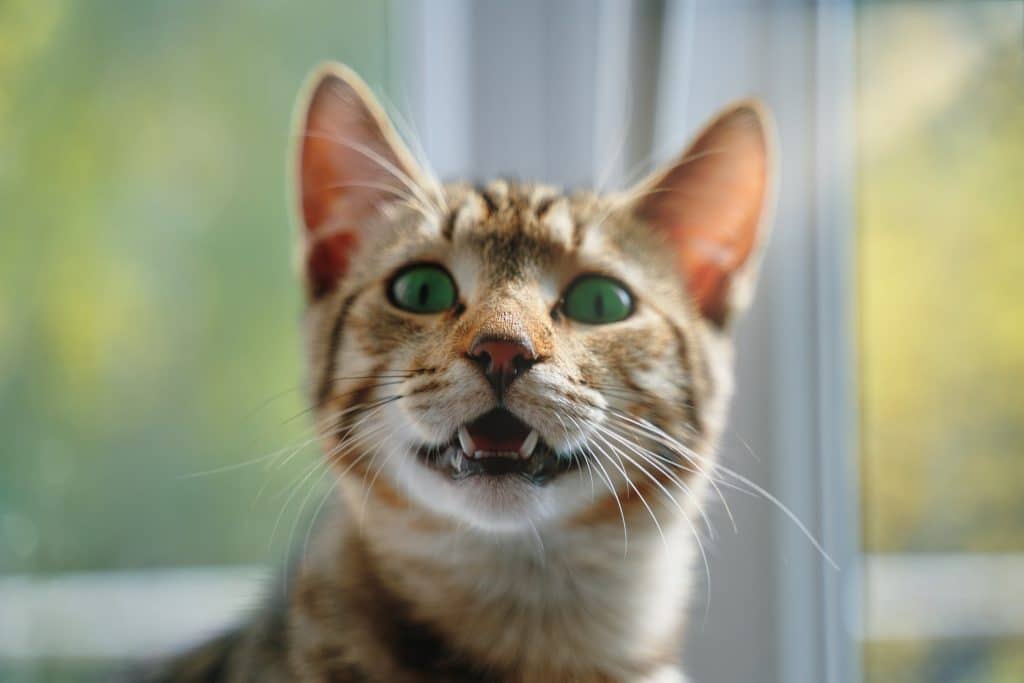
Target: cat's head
{"points": [[509, 355]]}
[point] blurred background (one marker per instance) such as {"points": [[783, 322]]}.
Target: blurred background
{"points": [[149, 346]]}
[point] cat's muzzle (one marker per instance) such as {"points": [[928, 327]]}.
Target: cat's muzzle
{"points": [[498, 444]]}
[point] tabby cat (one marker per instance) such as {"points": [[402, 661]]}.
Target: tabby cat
{"points": [[520, 392]]}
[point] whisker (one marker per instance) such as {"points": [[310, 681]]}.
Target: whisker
{"points": [[345, 442], [316, 516], [231, 467], [693, 456], [386, 374], [353, 438], [390, 374], [294, 488], [371, 185], [322, 424], [603, 473], [689, 522], [228, 468], [590, 468], [323, 466], [629, 482], [307, 411], [649, 427], [329, 459], [541, 556], [651, 458], [373, 481], [408, 132]]}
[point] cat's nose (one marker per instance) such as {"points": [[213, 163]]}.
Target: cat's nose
{"points": [[502, 359]]}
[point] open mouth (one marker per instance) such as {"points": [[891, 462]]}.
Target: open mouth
{"points": [[497, 444]]}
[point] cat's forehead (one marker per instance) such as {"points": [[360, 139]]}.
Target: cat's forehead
{"points": [[531, 213], [512, 224], [506, 233]]}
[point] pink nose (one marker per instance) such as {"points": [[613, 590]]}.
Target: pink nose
{"points": [[502, 360]]}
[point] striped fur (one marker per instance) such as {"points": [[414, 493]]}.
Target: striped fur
{"points": [[419, 577]]}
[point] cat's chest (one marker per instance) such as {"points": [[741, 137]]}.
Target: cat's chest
{"points": [[592, 602]]}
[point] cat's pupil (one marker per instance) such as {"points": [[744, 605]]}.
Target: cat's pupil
{"points": [[424, 294], [599, 306]]}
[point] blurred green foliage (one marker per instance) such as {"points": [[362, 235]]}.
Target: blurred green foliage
{"points": [[148, 309], [941, 98], [962, 661], [942, 262]]}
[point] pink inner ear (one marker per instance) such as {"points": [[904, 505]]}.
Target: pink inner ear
{"points": [[327, 200], [709, 205], [318, 174], [715, 241], [348, 161], [328, 260], [709, 279]]}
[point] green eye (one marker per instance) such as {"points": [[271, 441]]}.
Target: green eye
{"points": [[423, 289], [596, 300]]}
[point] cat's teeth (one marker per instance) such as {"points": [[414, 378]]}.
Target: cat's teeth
{"points": [[457, 461], [468, 447], [526, 450]]}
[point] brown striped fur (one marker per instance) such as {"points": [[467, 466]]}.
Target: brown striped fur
{"points": [[418, 577]]}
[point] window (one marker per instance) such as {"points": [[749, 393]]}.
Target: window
{"points": [[150, 366], [941, 164]]}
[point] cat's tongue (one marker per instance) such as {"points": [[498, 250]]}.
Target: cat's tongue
{"points": [[498, 431]]}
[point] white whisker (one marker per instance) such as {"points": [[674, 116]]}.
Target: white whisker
{"points": [[603, 474], [689, 522], [693, 456]]}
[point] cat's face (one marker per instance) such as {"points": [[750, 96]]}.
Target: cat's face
{"points": [[509, 356]]}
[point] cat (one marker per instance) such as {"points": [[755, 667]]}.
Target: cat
{"points": [[520, 392]]}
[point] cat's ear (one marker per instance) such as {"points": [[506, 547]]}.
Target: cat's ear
{"points": [[349, 162], [712, 204]]}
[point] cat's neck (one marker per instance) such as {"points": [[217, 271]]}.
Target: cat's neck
{"points": [[552, 604]]}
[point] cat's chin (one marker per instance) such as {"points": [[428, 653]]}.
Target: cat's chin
{"points": [[492, 499], [507, 502]]}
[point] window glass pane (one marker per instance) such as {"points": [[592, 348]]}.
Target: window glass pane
{"points": [[941, 205], [149, 314]]}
